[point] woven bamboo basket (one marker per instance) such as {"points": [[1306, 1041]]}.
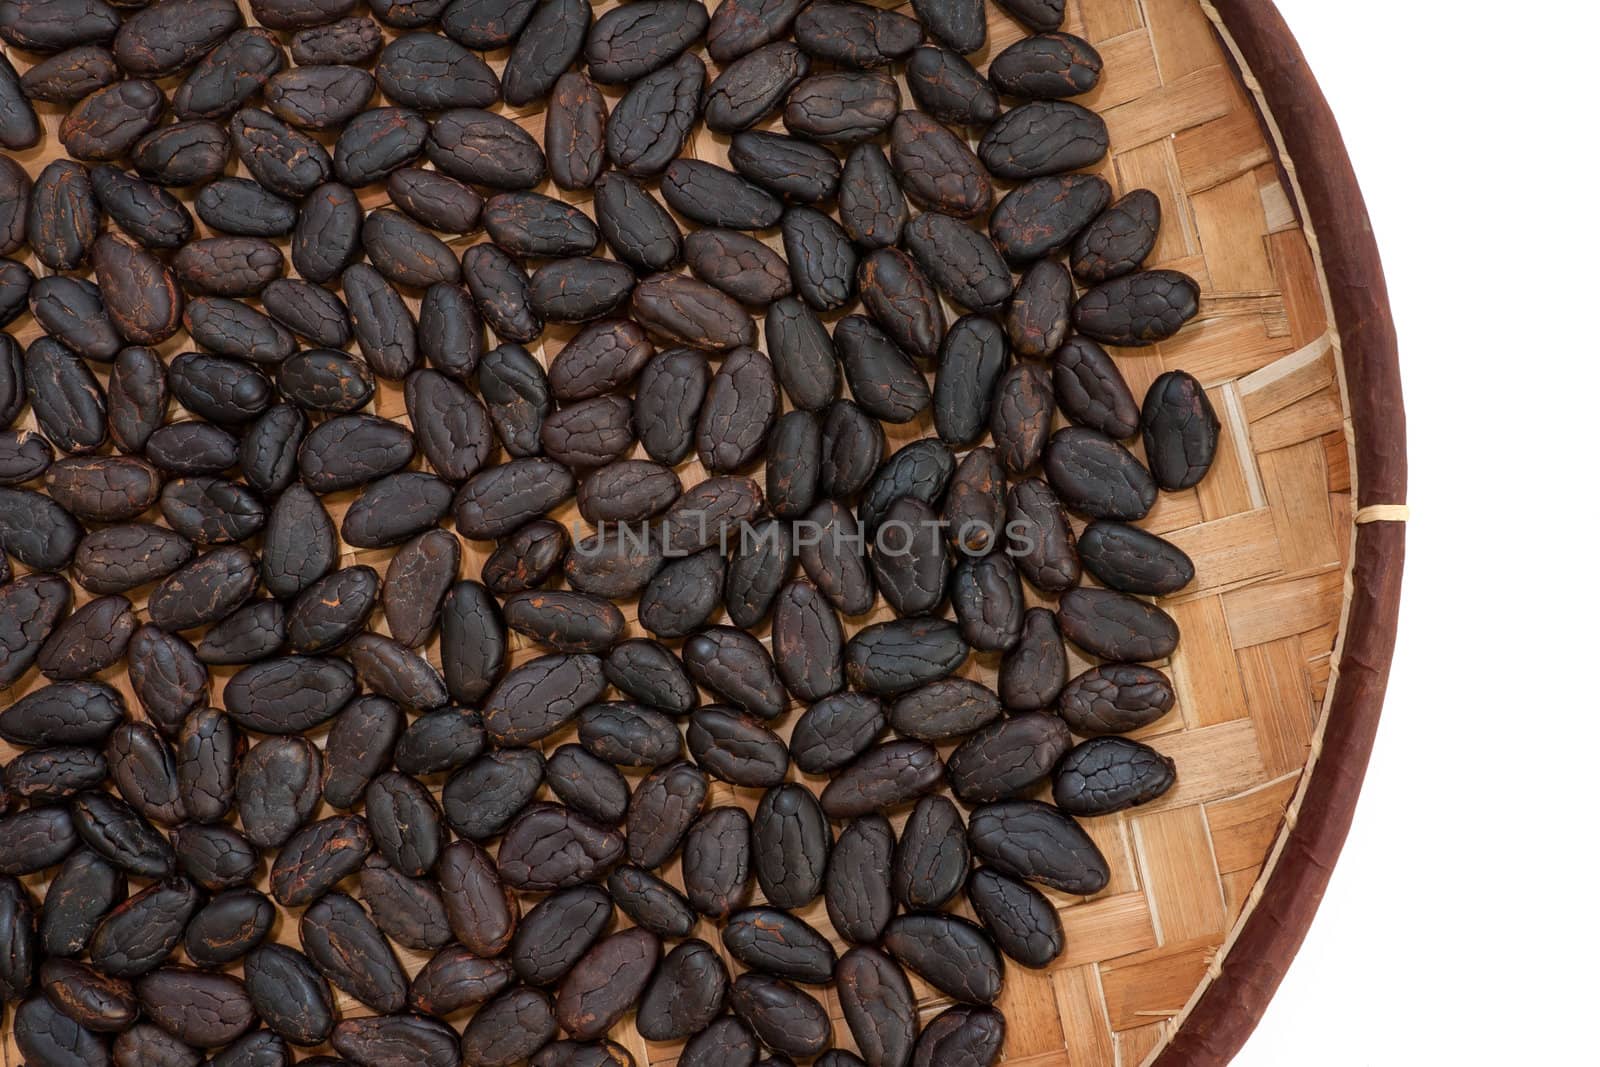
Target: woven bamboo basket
{"points": [[1297, 536]]}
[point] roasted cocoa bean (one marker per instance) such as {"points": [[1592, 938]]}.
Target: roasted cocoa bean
{"points": [[945, 85], [792, 168]]}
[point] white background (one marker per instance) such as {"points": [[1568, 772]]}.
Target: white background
{"points": [[1460, 925]]}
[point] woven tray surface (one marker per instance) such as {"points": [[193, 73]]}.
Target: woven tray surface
{"points": [[1269, 531]]}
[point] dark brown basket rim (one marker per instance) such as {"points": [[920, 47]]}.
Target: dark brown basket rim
{"points": [[1221, 1017]]}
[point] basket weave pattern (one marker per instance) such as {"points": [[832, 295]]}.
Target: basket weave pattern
{"points": [[1269, 531]]}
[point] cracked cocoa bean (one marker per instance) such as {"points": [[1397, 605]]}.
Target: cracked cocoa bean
{"points": [[685, 994], [845, 107], [945, 85], [1007, 757], [883, 380], [433, 73], [484, 148], [184, 153], [1110, 774], [792, 168], [1035, 842], [711, 196], [377, 142], [625, 44], [1142, 308], [1119, 238], [1022, 921], [550, 41], [575, 132], [784, 1018], [753, 86], [1097, 477], [651, 903], [653, 120]]}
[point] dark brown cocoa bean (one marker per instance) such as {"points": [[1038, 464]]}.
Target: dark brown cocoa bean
{"points": [[842, 108], [145, 211], [384, 328], [1007, 757], [1036, 842], [890, 774], [485, 148], [69, 75], [783, 1017], [105, 124], [31, 608], [652, 121], [1048, 66], [320, 97], [165, 38], [716, 862], [1022, 921], [625, 44], [752, 86], [946, 709], [575, 132], [1096, 476], [1110, 774], [288, 694], [1042, 138], [1024, 407], [184, 153], [74, 314], [1119, 239], [685, 995], [664, 806], [202, 1009], [671, 389], [376, 143], [229, 75], [821, 258], [902, 300], [945, 85], [436, 200], [952, 954], [356, 40], [958, 24], [936, 168], [688, 311], [796, 169], [1116, 698], [883, 380], [878, 1005], [433, 73], [589, 433], [931, 860], [1040, 217], [508, 1029], [712, 196], [319, 857], [1181, 430], [565, 621], [343, 942], [734, 665], [281, 158], [406, 253], [411, 1039], [550, 41], [1138, 309], [794, 463], [855, 35], [963, 263]]}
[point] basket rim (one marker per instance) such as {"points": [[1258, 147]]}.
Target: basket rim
{"points": [[1241, 981]]}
